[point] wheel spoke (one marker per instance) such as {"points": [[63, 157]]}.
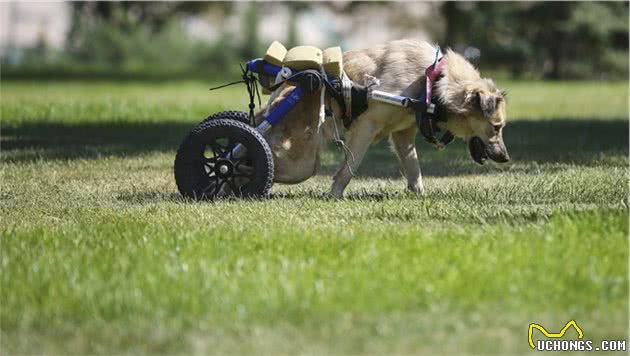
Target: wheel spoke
{"points": [[213, 178], [229, 147], [246, 176], [242, 170], [223, 146], [233, 186], [218, 187], [216, 149]]}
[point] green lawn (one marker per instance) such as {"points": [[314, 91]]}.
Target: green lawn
{"points": [[100, 255]]}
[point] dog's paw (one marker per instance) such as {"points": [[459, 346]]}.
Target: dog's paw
{"points": [[333, 195], [417, 189]]}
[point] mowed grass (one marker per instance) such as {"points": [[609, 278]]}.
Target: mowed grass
{"points": [[100, 255]]}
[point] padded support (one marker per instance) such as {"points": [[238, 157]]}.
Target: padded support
{"points": [[275, 54], [303, 57], [333, 61]]}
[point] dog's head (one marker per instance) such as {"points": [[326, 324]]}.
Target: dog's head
{"points": [[476, 109]]}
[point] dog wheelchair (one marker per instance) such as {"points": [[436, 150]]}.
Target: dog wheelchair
{"points": [[228, 154]]}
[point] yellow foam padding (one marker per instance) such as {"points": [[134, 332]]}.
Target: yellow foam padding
{"points": [[333, 61], [303, 57], [275, 54]]}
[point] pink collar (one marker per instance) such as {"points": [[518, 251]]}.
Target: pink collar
{"points": [[431, 74]]}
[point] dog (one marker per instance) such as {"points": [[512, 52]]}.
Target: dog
{"points": [[475, 112]]}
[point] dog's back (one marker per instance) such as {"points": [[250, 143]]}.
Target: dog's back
{"points": [[399, 65]]}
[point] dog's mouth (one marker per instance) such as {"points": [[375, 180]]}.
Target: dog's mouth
{"points": [[480, 151], [477, 150]]}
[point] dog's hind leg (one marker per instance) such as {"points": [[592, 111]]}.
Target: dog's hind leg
{"points": [[360, 136], [404, 145]]}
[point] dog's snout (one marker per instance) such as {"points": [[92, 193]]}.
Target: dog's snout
{"points": [[498, 152], [502, 158]]}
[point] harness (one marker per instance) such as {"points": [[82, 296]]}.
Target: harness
{"points": [[429, 110], [352, 98]]}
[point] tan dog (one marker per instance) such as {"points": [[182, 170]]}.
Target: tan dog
{"points": [[475, 112]]}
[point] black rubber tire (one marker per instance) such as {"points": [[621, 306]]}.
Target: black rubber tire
{"points": [[195, 172], [229, 115]]}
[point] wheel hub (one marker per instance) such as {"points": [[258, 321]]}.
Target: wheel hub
{"points": [[224, 168]]}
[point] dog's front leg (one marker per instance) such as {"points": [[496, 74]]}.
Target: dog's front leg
{"points": [[404, 144], [360, 136]]}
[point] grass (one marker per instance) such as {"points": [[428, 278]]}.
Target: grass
{"points": [[101, 256]]}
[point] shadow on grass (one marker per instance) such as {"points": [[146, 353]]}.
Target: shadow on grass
{"points": [[150, 197], [51, 141], [530, 143], [351, 196], [580, 142]]}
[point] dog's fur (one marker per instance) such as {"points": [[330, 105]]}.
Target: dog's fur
{"points": [[475, 109], [295, 141]]}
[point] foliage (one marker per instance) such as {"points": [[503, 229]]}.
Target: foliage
{"points": [[108, 52], [132, 40], [250, 47], [100, 254], [552, 39], [129, 14]]}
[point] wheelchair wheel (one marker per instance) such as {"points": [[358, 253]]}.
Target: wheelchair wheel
{"points": [[207, 165], [229, 115]]}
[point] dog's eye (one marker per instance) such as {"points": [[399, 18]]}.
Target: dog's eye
{"points": [[497, 128]]}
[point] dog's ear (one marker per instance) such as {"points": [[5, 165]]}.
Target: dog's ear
{"points": [[487, 104], [482, 101]]}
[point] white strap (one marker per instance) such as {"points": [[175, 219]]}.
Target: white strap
{"points": [[322, 106], [346, 90]]}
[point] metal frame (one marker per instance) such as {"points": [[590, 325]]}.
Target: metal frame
{"points": [[260, 66], [308, 81]]}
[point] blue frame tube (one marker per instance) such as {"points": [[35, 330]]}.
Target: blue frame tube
{"points": [[287, 104], [269, 69], [275, 116]]}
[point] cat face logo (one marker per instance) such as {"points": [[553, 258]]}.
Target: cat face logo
{"points": [[552, 335]]}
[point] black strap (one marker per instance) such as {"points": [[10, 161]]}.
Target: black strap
{"points": [[427, 120], [334, 90], [358, 94], [359, 100], [447, 138], [252, 90], [251, 82], [296, 78]]}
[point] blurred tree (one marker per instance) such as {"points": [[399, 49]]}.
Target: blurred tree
{"points": [[128, 15], [535, 39], [551, 39], [251, 42], [295, 10], [144, 38]]}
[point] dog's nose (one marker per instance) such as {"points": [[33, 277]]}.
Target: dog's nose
{"points": [[498, 153], [502, 158]]}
